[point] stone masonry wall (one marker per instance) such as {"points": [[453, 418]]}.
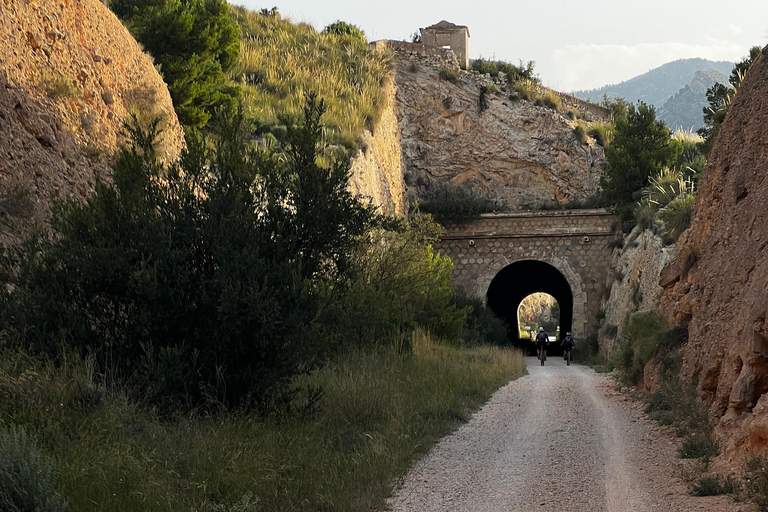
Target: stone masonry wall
{"points": [[578, 243]]}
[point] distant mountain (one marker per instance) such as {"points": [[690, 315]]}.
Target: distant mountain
{"points": [[677, 90]]}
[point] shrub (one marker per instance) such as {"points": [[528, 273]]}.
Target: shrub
{"points": [[195, 43], [514, 73], [482, 326], [196, 283], [601, 132], [523, 90], [486, 90], [341, 28], [676, 217], [641, 338], [698, 448], [58, 87], [581, 134], [26, 475], [455, 204], [714, 486], [449, 74], [756, 480], [550, 100]]}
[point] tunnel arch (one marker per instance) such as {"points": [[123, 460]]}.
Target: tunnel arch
{"points": [[517, 280]]}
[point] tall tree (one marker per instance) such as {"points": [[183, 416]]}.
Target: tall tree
{"points": [[195, 42], [641, 146], [719, 99]]}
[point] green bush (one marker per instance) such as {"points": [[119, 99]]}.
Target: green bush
{"points": [[714, 486], [399, 285], [523, 90], [641, 338], [677, 216], [514, 73], [26, 475], [195, 43], [455, 204], [341, 28], [196, 284], [482, 326], [698, 448]]}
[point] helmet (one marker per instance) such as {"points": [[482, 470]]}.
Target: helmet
{"points": [[541, 329], [568, 334]]}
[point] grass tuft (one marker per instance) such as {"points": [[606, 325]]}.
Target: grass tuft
{"points": [[714, 486]]}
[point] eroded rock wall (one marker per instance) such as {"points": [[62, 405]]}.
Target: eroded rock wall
{"points": [[719, 282], [514, 152], [69, 74], [377, 171], [635, 285]]}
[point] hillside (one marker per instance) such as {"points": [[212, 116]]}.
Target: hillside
{"points": [[70, 73], [678, 88]]}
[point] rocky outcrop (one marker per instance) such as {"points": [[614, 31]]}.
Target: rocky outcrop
{"points": [[462, 128], [719, 282], [635, 285], [377, 171], [683, 110], [70, 73]]}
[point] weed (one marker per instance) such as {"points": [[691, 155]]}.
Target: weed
{"points": [[601, 132], [523, 90], [550, 100], [26, 474], [756, 480], [581, 134], [698, 448], [449, 74], [714, 486], [57, 87]]}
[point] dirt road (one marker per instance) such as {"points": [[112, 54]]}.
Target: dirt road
{"points": [[558, 439]]}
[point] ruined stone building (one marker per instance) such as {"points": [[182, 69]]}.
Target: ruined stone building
{"points": [[447, 34]]}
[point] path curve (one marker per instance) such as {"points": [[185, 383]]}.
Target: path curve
{"points": [[557, 439]]}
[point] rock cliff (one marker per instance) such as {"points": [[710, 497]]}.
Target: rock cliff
{"points": [[719, 282], [70, 73], [461, 128]]}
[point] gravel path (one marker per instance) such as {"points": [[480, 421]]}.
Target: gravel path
{"points": [[558, 439]]}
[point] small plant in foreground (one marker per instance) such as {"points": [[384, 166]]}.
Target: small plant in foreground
{"points": [[756, 480], [714, 486], [26, 475], [698, 448]]}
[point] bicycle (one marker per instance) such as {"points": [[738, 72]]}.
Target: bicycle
{"points": [[542, 355], [568, 356]]}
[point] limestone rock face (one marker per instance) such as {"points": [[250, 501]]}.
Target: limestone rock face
{"points": [[635, 285], [377, 171], [69, 74], [722, 290], [513, 152]]}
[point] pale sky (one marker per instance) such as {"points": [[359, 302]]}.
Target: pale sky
{"points": [[576, 44]]}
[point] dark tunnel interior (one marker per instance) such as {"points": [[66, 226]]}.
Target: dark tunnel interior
{"points": [[520, 279]]}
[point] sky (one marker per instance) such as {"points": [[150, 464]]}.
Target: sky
{"points": [[576, 45]]}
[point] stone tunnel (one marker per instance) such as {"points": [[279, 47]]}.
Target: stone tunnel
{"points": [[503, 258]]}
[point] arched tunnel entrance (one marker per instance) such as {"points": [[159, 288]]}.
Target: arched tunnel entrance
{"points": [[520, 279]]}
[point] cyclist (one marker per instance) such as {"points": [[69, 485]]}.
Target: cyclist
{"points": [[541, 341], [567, 344]]}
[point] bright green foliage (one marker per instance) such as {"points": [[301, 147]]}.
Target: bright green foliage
{"points": [[720, 96], [280, 61], [400, 284], [195, 43], [641, 146], [197, 284], [26, 475], [456, 204]]}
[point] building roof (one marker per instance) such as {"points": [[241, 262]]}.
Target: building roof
{"points": [[447, 25]]}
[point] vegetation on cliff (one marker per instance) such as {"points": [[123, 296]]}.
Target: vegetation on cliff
{"points": [[280, 61], [195, 44]]}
